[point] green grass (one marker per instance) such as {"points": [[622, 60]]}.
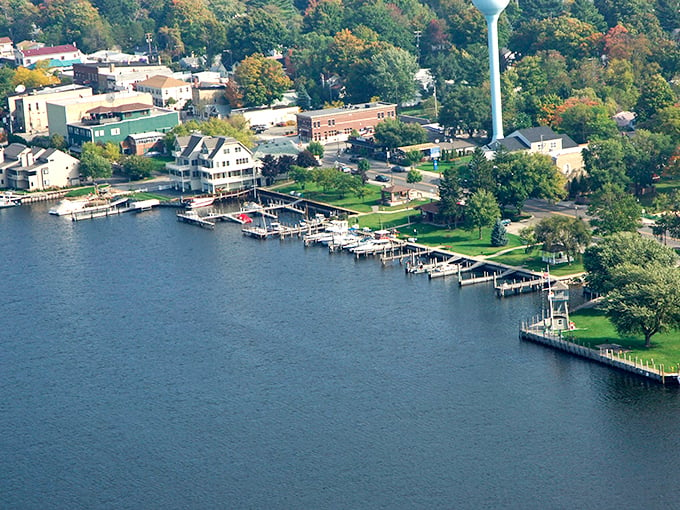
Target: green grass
{"points": [[460, 241], [79, 192], [349, 201], [444, 165], [533, 262], [149, 196], [391, 220], [593, 328]]}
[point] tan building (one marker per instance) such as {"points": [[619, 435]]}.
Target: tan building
{"points": [[565, 152], [63, 112], [6, 48], [28, 110], [35, 168], [116, 77], [336, 124], [166, 91]]}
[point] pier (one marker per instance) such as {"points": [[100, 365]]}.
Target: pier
{"points": [[534, 331], [192, 218]]}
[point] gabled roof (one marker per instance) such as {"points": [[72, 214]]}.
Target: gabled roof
{"points": [[537, 134], [50, 50], [5, 40], [192, 145], [511, 143], [162, 82], [14, 149]]}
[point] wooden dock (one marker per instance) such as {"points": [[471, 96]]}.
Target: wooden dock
{"points": [[508, 289], [192, 218]]}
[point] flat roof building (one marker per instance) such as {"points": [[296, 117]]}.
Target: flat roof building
{"points": [[336, 124]]}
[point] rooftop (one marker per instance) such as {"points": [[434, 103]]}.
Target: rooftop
{"points": [[50, 50]]}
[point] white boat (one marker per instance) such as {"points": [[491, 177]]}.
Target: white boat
{"points": [[67, 206], [9, 199], [372, 246], [197, 202]]}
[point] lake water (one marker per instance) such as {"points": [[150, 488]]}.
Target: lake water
{"points": [[146, 363]]}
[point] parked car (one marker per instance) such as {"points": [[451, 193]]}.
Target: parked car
{"points": [[398, 169], [382, 178], [354, 158], [505, 222]]}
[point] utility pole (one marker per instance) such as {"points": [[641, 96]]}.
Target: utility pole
{"points": [[417, 33], [149, 39]]}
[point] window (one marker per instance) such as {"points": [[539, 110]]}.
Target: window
{"points": [[45, 171], [237, 149], [99, 132], [46, 182], [115, 131]]}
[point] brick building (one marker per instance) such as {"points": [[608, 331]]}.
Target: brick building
{"points": [[336, 124]]}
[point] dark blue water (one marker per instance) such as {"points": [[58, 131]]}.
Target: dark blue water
{"points": [[146, 363]]}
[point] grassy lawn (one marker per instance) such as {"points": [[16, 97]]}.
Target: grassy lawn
{"points": [[460, 241], [149, 196], [594, 328], [533, 261], [443, 165], [350, 200], [390, 220], [79, 192]]}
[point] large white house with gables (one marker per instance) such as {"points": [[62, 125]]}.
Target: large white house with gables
{"points": [[212, 164]]}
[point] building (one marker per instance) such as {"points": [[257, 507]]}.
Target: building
{"points": [[143, 143], [396, 195], [28, 110], [62, 112], [35, 168], [6, 48], [268, 116], [212, 164], [114, 124], [166, 91], [116, 77], [65, 55], [336, 124], [566, 154]]}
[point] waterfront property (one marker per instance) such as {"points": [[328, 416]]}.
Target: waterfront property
{"points": [[212, 164], [115, 123], [35, 168]]}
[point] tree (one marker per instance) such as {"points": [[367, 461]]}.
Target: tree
{"points": [[450, 195], [270, 168], [363, 165], [655, 95], [261, 80], [75, 21], [528, 237], [414, 157], [414, 176], [258, 32], [570, 233], [137, 167], [604, 163], [92, 164], [35, 78], [316, 149], [480, 172], [300, 175], [466, 108], [481, 211], [499, 234], [601, 259], [392, 133], [393, 73], [584, 121], [644, 300], [306, 159], [614, 211]]}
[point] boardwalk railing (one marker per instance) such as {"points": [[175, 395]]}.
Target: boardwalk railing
{"points": [[535, 331]]}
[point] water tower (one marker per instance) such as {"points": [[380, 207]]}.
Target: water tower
{"points": [[492, 10]]}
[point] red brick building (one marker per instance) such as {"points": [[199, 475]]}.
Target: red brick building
{"points": [[336, 124]]}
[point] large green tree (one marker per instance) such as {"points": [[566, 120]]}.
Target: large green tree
{"points": [[481, 210], [393, 71], [614, 210], [93, 164], [570, 233], [601, 259], [644, 300]]}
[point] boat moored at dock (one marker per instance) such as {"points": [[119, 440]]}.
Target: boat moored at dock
{"points": [[9, 199]]}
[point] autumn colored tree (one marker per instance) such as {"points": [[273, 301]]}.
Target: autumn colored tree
{"points": [[33, 78], [261, 80], [74, 21]]}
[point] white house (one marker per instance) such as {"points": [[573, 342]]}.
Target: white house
{"points": [[212, 164], [166, 91], [58, 56], [35, 168]]}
